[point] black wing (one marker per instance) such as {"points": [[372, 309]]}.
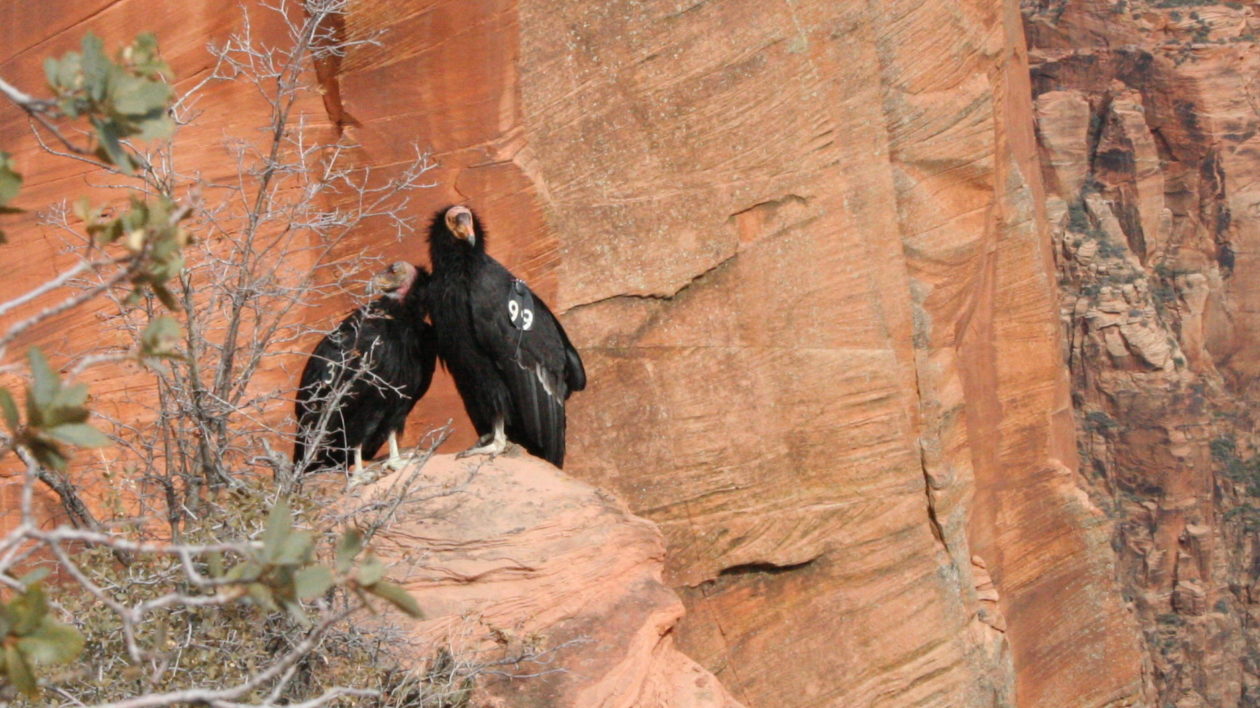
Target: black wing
{"points": [[325, 369], [345, 399], [537, 362], [406, 364], [422, 356]]}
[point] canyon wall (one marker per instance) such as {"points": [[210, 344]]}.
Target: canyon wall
{"points": [[809, 252], [1147, 116]]}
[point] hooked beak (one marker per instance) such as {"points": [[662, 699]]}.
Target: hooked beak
{"points": [[384, 282], [381, 283], [461, 224], [464, 228]]}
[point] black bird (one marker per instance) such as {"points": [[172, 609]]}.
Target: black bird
{"points": [[511, 360], [363, 379]]}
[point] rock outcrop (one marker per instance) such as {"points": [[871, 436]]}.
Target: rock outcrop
{"points": [[551, 583]]}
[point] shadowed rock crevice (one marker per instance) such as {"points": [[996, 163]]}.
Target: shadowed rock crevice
{"points": [[695, 281], [327, 72], [764, 568]]}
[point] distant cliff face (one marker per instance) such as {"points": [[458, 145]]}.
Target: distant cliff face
{"points": [[1147, 120], [807, 254]]}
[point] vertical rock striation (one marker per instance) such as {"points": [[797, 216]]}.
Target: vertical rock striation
{"points": [[807, 262]]}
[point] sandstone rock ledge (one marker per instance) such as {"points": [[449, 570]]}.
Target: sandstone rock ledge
{"points": [[510, 556]]}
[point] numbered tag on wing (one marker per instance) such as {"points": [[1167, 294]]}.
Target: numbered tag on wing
{"points": [[521, 306]]}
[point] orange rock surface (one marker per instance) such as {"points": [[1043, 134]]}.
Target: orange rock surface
{"points": [[513, 558], [806, 250]]}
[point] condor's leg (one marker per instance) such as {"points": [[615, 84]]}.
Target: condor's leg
{"points": [[490, 444], [395, 461]]}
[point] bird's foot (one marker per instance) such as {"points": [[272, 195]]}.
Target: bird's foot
{"points": [[363, 477], [492, 443], [397, 463], [487, 445]]}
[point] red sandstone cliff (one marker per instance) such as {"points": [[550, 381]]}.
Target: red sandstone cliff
{"points": [[808, 251]]}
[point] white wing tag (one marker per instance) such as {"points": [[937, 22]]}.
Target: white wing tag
{"points": [[520, 306]]}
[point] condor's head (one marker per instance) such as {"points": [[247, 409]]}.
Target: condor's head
{"points": [[455, 231], [395, 281]]}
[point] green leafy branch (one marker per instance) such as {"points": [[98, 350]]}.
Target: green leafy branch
{"points": [[282, 573], [277, 573], [121, 98], [56, 416], [152, 232], [31, 637]]}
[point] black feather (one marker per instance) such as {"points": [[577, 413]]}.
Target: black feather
{"points": [[522, 376], [364, 377]]}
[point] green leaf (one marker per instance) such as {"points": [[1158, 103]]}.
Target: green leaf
{"points": [[67, 73], [44, 381], [34, 577], [111, 148], [247, 571], [10, 180], [156, 127], [144, 56], [347, 548], [399, 597], [73, 396], [311, 582], [19, 671], [52, 68], [296, 549], [27, 610], [371, 571], [109, 232], [159, 337], [96, 67], [214, 564], [262, 596], [53, 643], [138, 97], [80, 435], [279, 526], [9, 409]]}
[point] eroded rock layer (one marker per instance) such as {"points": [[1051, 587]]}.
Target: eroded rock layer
{"points": [[1146, 121], [548, 582]]}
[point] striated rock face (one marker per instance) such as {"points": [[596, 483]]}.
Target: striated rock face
{"points": [[1146, 121], [834, 414], [513, 559], [805, 251], [801, 249]]}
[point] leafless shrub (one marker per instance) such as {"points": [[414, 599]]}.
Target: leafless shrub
{"points": [[203, 575]]}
